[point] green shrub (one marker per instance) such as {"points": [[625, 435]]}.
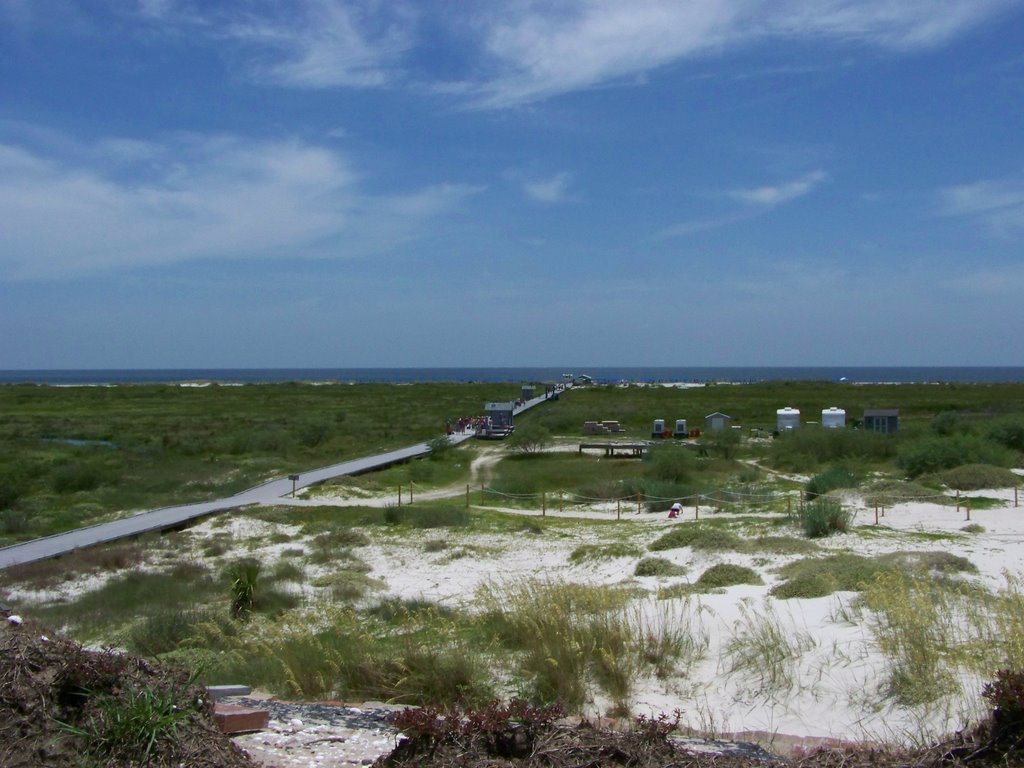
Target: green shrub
{"points": [[973, 528], [973, 477], [803, 450], [428, 517], [936, 453], [701, 537], [658, 566], [586, 552], [14, 521], [76, 476], [822, 517], [671, 463], [727, 575], [530, 438], [1008, 431], [885, 493], [818, 577], [830, 480]]}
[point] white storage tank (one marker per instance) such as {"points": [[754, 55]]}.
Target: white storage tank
{"points": [[833, 418], [680, 430], [787, 418], [658, 430]]}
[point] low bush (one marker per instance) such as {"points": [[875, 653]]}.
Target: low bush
{"points": [[702, 537], [973, 477], [428, 517], [830, 480], [933, 454], [586, 552], [818, 577], [886, 493], [658, 566], [670, 463], [727, 575]]}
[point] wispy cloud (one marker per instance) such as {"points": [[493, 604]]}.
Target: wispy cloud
{"points": [[780, 193], [999, 204], [220, 197], [755, 202], [552, 190], [539, 50], [302, 43]]}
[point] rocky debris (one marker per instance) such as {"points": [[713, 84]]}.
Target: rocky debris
{"points": [[327, 735], [62, 705]]}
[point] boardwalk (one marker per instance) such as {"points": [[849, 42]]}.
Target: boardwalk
{"points": [[174, 517]]}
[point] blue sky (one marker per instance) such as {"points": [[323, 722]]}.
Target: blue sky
{"points": [[382, 183]]}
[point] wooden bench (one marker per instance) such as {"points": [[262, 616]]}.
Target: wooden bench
{"points": [[610, 449]]}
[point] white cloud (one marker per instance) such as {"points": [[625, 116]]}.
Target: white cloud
{"points": [[221, 197], [539, 50], [301, 43], [553, 190], [330, 43], [782, 193], [997, 203]]}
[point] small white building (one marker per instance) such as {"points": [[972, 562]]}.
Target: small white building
{"points": [[787, 418], [833, 418]]}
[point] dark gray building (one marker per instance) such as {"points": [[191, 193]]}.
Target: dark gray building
{"points": [[885, 420]]}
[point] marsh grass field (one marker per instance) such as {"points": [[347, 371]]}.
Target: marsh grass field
{"points": [[779, 603]]}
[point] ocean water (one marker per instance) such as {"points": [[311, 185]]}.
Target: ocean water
{"points": [[603, 375]]}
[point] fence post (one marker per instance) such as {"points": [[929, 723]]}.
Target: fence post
{"points": [[467, 495], [968, 508], [876, 514], [561, 503], [638, 497], [696, 507], [399, 495], [410, 493], [958, 500], [543, 504]]}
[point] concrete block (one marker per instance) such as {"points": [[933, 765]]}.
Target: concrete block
{"points": [[232, 718]]}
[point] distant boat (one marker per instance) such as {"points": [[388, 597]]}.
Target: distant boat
{"points": [[568, 376]]}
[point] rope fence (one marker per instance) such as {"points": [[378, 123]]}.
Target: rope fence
{"points": [[878, 501]]}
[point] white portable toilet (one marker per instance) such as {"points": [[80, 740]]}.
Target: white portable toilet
{"points": [[833, 418], [787, 418], [658, 430], [680, 431]]}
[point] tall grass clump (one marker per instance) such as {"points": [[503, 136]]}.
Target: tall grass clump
{"points": [[822, 517], [672, 638], [764, 651], [918, 623], [567, 637]]}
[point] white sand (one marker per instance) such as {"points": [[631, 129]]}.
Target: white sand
{"points": [[829, 689]]}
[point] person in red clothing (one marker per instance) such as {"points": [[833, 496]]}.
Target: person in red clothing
{"points": [[677, 508]]}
